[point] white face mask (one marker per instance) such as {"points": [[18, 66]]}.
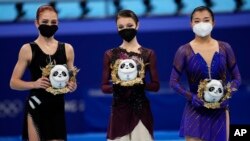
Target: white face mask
{"points": [[202, 29]]}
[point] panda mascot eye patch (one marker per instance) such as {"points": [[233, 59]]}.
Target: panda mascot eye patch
{"points": [[212, 93], [127, 70], [59, 76]]}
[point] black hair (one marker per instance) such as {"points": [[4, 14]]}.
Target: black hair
{"points": [[203, 8]]}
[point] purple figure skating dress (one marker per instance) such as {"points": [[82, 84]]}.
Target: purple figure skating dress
{"points": [[200, 122]]}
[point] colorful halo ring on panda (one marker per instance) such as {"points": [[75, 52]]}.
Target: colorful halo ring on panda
{"points": [[116, 73], [59, 75], [210, 100]]}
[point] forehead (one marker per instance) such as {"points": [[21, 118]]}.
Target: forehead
{"points": [[125, 20], [47, 14], [201, 14]]}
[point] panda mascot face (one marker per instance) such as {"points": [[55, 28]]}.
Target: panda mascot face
{"points": [[59, 76], [127, 70], [214, 91]]}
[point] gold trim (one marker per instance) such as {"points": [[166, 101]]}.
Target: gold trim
{"points": [[54, 91], [215, 105], [137, 80]]}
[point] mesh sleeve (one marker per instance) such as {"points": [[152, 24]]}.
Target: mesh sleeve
{"points": [[154, 84], [233, 68], [106, 86], [177, 70]]}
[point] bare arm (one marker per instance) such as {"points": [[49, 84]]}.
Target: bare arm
{"points": [[70, 55], [70, 63], [16, 81]]}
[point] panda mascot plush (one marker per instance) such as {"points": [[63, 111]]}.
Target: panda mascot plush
{"points": [[59, 76], [127, 70], [214, 91]]}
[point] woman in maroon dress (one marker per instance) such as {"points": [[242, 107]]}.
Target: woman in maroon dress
{"points": [[131, 118]]}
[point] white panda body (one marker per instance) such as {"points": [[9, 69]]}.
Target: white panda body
{"points": [[214, 91], [59, 76], [127, 70]]}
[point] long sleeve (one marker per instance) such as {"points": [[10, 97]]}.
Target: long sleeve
{"points": [[154, 84], [233, 69], [106, 86], [177, 70]]}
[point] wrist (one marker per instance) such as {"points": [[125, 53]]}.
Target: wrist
{"points": [[32, 85]]}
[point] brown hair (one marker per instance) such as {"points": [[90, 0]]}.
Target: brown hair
{"points": [[44, 8], [127, 14]]}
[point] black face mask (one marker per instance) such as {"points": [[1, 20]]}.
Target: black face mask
{"points": [[47, 30], [128, 34]]}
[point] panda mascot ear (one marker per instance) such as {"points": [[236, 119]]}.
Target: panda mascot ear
{"points": [[69, 71], [59, 76], [221, 81], [139, 67], [65, 65]]}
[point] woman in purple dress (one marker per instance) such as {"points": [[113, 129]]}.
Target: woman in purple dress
{"points": [[131, 118], [204, 58]]}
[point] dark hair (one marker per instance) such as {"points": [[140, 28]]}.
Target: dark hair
{"points": [[127, 14], [202, 8], [44, 8]]}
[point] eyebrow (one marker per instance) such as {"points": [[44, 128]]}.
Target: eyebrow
{"points": [[49, 20], [124, 24], [203, 18], [206, 17]]}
